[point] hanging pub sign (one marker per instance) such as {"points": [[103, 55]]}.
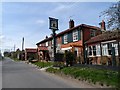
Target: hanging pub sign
{"points": [[53, 23]]}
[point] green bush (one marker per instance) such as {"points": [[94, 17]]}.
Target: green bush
{"points": [[69, 56], [60, 57]]}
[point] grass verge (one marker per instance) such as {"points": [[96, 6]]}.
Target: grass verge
{"points": [[103, 77], [43, 64]]}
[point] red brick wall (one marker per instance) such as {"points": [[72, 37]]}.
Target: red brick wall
{"points": [[59, 40], [86, 32]]}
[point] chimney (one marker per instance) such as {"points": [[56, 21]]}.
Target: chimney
{"points": [[46, 37], [103, 25], [71, 23]]}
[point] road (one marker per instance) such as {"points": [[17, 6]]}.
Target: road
{"points": [[22, 75]]}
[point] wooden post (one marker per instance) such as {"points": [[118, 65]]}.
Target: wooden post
{"points": [[101, 52], [118, 51], [113, 57]]}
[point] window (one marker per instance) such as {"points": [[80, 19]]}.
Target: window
{"points": [[104, 49], [94, 50], [109, 48], [65, 39], [98, 50], [90, 50], [75, 35], [46, 43], [40, 45], [116, 48], [92, 33]]}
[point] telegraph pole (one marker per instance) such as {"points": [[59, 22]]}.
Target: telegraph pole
{"points": [[22, 49], [22, 43]]}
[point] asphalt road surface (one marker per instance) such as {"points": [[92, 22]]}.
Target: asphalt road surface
{"points": [[22, 75]]}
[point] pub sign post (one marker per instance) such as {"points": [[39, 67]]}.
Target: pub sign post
{"points": [[53, 25]]}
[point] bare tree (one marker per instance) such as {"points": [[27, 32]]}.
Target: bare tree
{"points": [[112, 15]]}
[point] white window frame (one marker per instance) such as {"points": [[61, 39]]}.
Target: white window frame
{"points": [[116, 48], [98, 51], [65, 38], [46, 43], [75, 35], [91, 51], [105, 50]]}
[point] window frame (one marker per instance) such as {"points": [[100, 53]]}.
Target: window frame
{"points": [[98, 50], [75, 35], [104, 50], [65, 39], [94, 50], [47, 43], [92, 33], [116, 48], [90, 51]]}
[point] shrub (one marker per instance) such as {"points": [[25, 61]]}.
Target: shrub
{"points": [[60, 57], [69, 56]]}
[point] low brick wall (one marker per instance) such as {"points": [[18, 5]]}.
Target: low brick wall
{"points": [[104, 60]]}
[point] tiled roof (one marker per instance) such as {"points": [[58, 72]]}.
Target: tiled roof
{"points": [[42, 48], [68, 30], [108, 35], [47, 39], [30, 50]]}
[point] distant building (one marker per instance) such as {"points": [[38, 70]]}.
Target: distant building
{"points": [[30, 53], [73, 39]]}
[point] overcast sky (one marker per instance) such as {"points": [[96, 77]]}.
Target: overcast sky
{"points": [[30, 19]]}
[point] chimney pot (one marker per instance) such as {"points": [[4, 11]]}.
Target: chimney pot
{"points": [[46, 37], [103, 25], [71, 23]]}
